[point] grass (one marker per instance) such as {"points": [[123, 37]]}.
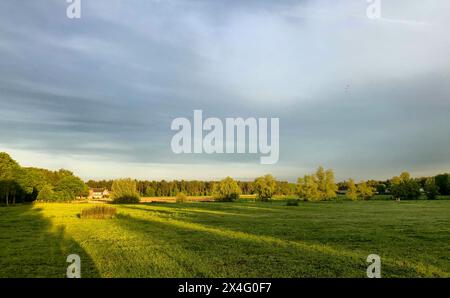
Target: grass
{"points": [[242, 239]]}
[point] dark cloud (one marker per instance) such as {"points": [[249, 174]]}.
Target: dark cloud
{"points": [[357, 95]]}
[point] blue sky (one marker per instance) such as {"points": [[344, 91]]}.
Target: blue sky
{"points": [[366, 97]]}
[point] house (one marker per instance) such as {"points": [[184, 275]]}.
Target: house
{"points": [[98, 193]]}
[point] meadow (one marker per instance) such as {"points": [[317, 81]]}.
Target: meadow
{"points": [[240, 239]]}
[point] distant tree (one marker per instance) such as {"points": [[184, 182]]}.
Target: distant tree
{"points": [[226, 190], [265, 187], [443, 183], [431, 189], [319, 186], [321, 181], [342, 186], [365, 191], [149, 191], [381, 188], [124, 191], [404, 187], [307, 188], [330, 185], [352, 192], [283, 188]]}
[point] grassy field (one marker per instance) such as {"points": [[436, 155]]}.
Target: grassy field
{"points": [[246, 239]]}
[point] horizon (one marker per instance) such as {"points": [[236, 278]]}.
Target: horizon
{"points": [[87, 179]]}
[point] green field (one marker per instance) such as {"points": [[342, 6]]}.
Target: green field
{"points": [[245, 239]]}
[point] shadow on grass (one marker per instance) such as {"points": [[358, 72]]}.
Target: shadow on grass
{"points": [[206, 251], [319, 260], [169, 210], [32, 248]]}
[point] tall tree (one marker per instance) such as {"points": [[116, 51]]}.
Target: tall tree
{"points": [[352, 192], [9, 171], [330, 185]]}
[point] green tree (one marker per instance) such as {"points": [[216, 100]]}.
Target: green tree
{"points": [[319, 186], [404, 187], [226, 190], [330, 185], [321, 181], [431, 189], [149, 191], [381, 188], [443, 183], [352, 192], [365, 191], [9, 171], [46, 194], [124, 191], [265, 187], [307, 188], [72, 186]]}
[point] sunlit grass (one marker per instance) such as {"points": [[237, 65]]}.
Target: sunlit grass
{"points": [[246, 239]]}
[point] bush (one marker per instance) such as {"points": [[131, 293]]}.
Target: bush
{"points": [[98, 212], [292, 203], [181, 197], [124, 191]]}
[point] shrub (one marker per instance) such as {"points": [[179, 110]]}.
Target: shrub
{"points": [[98, 212], [226, 190], [124, 191], [181, 197], [292, 203]]}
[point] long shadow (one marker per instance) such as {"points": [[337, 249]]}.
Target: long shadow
{"points": [[326, 256], [169, 210], [32, 248], [217, 252]]}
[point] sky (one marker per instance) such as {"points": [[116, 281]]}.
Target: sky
{"points": [[367, 97]]}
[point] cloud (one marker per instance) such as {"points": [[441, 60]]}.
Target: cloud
{"points": [[367, 97]]}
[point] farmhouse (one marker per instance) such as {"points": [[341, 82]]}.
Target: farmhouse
{"points": [[98, 193]]}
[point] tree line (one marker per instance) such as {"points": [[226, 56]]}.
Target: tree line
{"points": [[25, 184], [165, 188], [318, 186]]}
